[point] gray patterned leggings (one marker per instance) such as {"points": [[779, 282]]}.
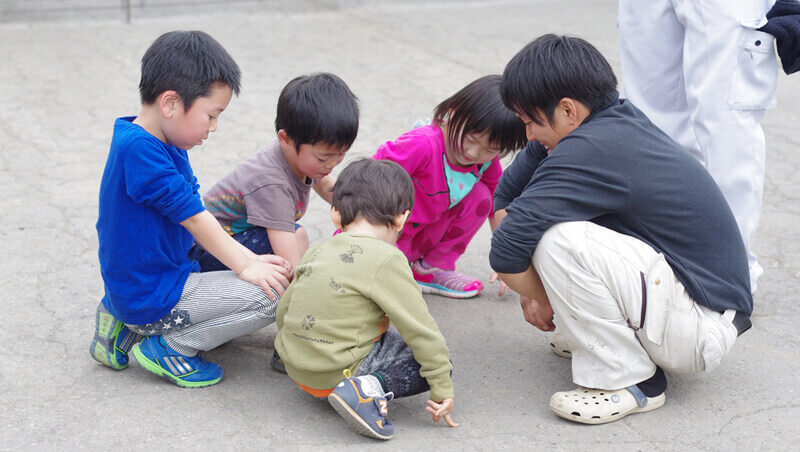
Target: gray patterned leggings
{"points": [[392, 362], [214, 308]]}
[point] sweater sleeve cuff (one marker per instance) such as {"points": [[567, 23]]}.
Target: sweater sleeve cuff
{"points": [[499, 204], [504, 258], [441, 387], [190, 208]]}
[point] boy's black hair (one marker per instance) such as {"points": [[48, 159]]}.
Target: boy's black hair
{"points": [[188, 62], [318, 108], [554, 67], [479, 108], [379, 190]]}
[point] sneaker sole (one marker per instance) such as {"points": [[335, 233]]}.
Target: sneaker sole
{"points": [[437, 289], [353, 418], [102, 347], [155, 368]]}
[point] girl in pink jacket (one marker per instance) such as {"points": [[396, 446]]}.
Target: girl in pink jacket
{"points": [[454, 163]]}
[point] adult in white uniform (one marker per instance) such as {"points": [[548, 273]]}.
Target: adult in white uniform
{"points": [[702, 72]]}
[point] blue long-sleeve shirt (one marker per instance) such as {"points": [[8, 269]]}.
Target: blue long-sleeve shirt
{"points": [[147, 189], [618, 170]]}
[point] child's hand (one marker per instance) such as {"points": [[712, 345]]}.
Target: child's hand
{"points": [[275, 259], [444, 408], [267, 275], [503, 287]]}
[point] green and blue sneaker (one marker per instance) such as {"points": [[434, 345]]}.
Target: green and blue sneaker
{"points": [[112, 341], [363, 404], [156, 356]]}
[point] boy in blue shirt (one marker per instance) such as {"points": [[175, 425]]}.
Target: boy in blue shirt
{"points": [[150, 214]]}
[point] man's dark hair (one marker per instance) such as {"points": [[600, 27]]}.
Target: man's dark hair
{"points": [[478, 108], [554, 67], [379, 190], [318, 108], [188, 62]]}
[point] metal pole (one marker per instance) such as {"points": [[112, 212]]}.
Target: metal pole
{"points": [[127, 11]]}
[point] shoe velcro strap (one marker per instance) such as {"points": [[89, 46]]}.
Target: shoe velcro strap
{"points": [[641, 399]]}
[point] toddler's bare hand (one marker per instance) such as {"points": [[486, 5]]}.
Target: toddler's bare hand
{"points": [[443, 409]]}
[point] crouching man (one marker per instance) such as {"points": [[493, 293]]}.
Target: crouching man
{"points": [[619, 231]]}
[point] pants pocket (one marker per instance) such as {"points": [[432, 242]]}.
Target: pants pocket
{"points": [[680, 350], [756, 72], [718, 339], [659, 289], [712, 352], [671, 321]]}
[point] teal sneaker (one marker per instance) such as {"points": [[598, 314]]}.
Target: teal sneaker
{"points": [[447, 283], [112, 341], [156, 356]]}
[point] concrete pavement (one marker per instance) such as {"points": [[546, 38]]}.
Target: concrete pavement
{"points": [[63, 81]]}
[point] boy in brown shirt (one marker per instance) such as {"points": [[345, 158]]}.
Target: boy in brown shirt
{"points": [[261, 200]]}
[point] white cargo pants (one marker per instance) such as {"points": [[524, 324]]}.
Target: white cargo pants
{"points": [[595, 278], [702, 73]]}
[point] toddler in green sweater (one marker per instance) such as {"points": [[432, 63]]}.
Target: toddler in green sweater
{"points": [[333, 318]]}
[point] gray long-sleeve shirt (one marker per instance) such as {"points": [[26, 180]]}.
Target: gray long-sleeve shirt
{"points": [[620, 171]]}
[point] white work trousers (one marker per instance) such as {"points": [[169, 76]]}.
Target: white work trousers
{"points": [[595, 279], [703, 74]]}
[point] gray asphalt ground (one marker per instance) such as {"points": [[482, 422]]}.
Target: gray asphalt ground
{"points": [[66, 74]]}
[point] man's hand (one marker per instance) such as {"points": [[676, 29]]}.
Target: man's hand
{"points": [[538, 314], [442, 409], [503, 287]]}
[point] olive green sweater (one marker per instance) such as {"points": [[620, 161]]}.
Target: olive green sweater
{"points": [[344, 294]]}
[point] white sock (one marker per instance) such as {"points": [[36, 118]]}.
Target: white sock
{"points": [[371, 386]]}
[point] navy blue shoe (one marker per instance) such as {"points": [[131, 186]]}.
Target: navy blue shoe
{"points": [[155, 355], [366, 414], [277, 363]]}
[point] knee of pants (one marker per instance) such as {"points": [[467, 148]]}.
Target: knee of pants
{"points": [[556, 243], [478, 200], [266, 302]]}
